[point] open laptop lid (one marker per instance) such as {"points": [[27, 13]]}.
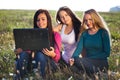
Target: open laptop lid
{"points": [[31, 39]]}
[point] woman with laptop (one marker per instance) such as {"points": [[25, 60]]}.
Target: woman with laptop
{"points": [[42, 19]]}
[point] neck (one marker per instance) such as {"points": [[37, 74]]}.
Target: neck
{"points": [[92, 30], [69, 25]]}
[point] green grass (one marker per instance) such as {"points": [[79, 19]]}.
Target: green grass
{"points": [[10, 19]]}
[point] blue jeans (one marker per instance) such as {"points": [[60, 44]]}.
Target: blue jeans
{"points": [[43, 60], [91, 65], [22, 63]]}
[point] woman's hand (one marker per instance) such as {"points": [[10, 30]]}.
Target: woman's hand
{"points": [[18, 50], [57, 28], [71, 61], [50, 52]]}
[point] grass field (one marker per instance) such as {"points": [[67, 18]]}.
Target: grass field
{"points": [[10, 19]]}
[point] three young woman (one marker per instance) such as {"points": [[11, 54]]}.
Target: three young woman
{"points": [[95, 41]]}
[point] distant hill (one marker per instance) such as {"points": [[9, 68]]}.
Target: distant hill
{"points": [[115, 9]]}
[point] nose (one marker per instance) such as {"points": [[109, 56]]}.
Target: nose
{"points": [[40, 21], [64, 18], [87, 21]]}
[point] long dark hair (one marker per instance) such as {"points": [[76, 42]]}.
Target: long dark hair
{"points": [[76, 22], [49, 23]]}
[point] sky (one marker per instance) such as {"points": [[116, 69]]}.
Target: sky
{"points": [[75, 5]]}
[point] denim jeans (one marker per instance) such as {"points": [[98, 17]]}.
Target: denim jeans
{"points": [[91, 65], [43, 60], [40, 58], [22, 63]]}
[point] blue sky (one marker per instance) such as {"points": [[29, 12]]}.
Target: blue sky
{"points": [[79, 5]]}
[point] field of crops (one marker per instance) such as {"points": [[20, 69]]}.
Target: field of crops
{"points": [[10, 19]]}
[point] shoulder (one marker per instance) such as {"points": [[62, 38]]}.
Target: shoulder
{"points": [[85, 33], [57, 37], [103, 31], [56, 34], [58, 28]]}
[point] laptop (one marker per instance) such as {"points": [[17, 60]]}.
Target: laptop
{"points": [[31, 39]]}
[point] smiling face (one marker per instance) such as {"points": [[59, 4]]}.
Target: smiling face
{"points": [[65, 18], [42, 20], [88, 21]]}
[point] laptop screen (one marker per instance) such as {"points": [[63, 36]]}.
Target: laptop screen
{"points": [[31, 39]]}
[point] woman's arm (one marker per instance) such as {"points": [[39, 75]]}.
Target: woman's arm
{"points": [[54, 53], [79, 48], [105, 45], [57, 46]]}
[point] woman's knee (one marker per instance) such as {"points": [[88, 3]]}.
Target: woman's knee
{"points": [[77, 60], [41, 57], [24, 55]]}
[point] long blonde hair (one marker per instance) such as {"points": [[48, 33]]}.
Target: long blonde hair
{"points": [[98, 21]]}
